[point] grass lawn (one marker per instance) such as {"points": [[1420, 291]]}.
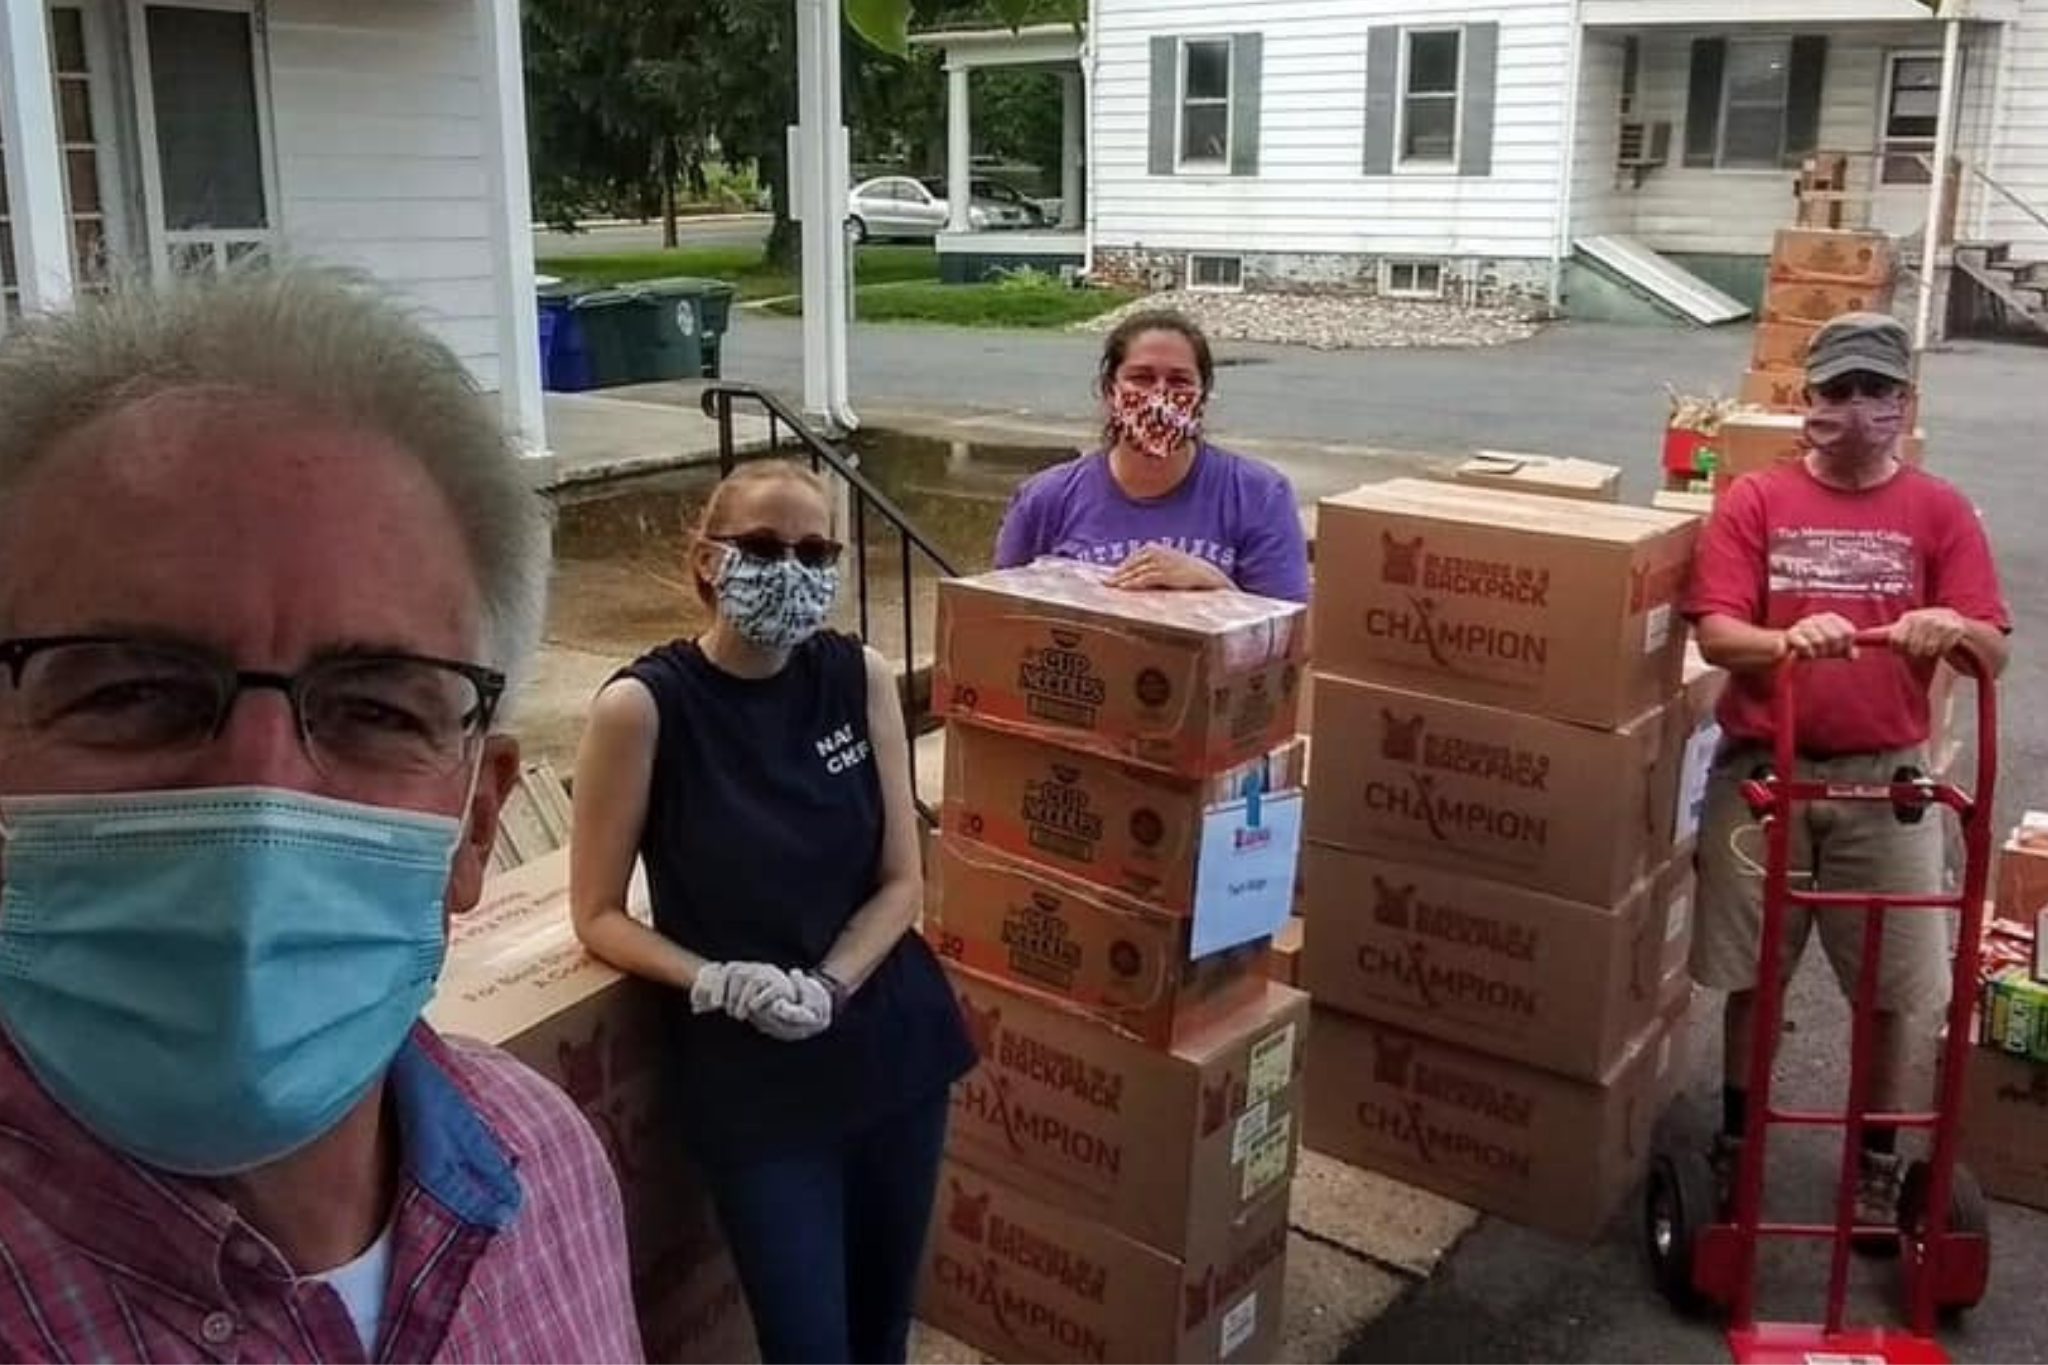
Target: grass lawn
{"points": [[740, 266], [975, 305]]}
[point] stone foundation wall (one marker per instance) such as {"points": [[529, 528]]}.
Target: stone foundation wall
{"points": [[1486, 281]]}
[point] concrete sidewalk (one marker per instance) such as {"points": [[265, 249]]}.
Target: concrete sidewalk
{"points": [[613, 433]]}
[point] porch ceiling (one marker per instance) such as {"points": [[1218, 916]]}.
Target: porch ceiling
{"points": [[1035, 45], [1747, 13]]}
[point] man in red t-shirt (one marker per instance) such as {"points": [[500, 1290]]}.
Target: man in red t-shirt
{"points": [[1794, 562]]}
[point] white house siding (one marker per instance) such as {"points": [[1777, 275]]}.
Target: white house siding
{"points": [[1311, 208], [1734, 212], [1597, 202], [2019, 148], [381, 140]]}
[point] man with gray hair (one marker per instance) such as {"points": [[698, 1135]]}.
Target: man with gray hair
{"points": [[267, 563], [1795, 562]]}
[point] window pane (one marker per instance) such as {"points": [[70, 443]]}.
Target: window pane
{"points": [[1753, 137], [82, 179], [74, 110], [89, 249], [1917, 73], [67, 39], [7, 259], [1431, 129], [1205, 132], [1757, 72], [1432, 63], [1208, 71], [1902, 167], [208, 141]]}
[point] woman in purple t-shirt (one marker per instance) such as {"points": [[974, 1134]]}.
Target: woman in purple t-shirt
{"points": [[1160, 505]]}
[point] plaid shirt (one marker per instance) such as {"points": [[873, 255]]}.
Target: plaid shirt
{"points": [[508, 1240]]}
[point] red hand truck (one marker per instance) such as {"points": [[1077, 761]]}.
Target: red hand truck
{"points": [[1706, 1255]]}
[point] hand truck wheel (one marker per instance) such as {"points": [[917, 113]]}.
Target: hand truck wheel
{"points": [[1968, 1216], [1678, 1204]]}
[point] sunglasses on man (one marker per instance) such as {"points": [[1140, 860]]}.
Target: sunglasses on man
{"points": [[1842, 388]]}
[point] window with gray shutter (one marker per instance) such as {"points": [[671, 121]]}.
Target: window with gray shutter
{"points": [[1429, 98], [1204, 108], [1754, 103]]}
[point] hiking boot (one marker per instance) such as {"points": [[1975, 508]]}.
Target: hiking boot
{"points": [[1877, 1201], [1724, 1156]]}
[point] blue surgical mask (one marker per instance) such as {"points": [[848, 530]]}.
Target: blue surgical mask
{"points": [[209, 980]]}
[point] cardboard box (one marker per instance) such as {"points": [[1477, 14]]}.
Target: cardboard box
{"points": [[1683, 501], [1189, 682], [1558, 476], [1775, 390], [1487, 965], [1162, 1146], [1110, 824], [1526, 1144], [1558, 809], [2005, 1126], [1781, 345], [516, 977], [2012, 1014], [1817, 301], [1821, 257], [1753, 441], [1024, 1281], [1283, 959], [1115, 959], [1560, 608], [2023, 869]]}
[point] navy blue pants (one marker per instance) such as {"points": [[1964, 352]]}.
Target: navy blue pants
{"points": [[828, 1241]]}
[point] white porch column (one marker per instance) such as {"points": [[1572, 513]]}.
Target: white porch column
{"points": [[1937, 190], [959, 150], [34, 159], [511, 222], [1073, 119]]}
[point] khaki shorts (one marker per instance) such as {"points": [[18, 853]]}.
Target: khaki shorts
{"points": [[1836, 846]]}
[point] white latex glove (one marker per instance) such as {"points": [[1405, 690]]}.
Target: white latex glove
{"points": [[806, 1016], [740, 989]]}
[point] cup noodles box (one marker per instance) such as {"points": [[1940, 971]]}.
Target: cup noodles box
{"points": [[1188, 682], [1557, 475], [1557, 809], [1781, 345], [2005, 1126], [1816, 256], [1529, 1145], [1118, 960], [1815, 301], [1115, 825], [1164, 1147], [1487, 965], [1023, 1280], [1562, 608], [2023, 869], [516, 977], [1775, 390]]}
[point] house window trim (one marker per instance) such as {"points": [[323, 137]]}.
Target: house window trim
{"points": [[1892, 58], [103, 75], [143, 94], [1416, 263], [1195, 288], [1777, 168], [1403, 164], [1207, 166]]}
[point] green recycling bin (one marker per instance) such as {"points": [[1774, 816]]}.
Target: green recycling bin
{"points": [[610, 325], [687, 320]]}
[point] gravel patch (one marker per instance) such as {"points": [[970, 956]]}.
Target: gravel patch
{"points": [[1334, 322]]}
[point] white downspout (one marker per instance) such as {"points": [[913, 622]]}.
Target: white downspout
{"points": [[1937, 189], [818, 171], [1561, 242], [1088, 61]]}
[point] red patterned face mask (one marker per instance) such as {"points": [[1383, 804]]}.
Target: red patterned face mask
{"points": [[1156, 422]]}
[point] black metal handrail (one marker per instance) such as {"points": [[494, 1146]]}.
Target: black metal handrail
{"points": [[718, 401]]}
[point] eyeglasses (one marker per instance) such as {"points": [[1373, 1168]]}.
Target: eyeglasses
{"points": [[813, 552], [1857, 385], [392, 715]]}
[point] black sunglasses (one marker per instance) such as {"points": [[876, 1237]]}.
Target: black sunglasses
{"points": [[1857, 385], [813, 552]]}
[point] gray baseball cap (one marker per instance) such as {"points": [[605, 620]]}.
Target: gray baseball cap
{"points": [[1860, 343]]}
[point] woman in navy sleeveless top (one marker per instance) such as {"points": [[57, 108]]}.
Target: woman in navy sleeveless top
{"points": [[761, 774]]}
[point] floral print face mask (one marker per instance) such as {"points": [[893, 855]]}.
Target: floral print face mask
{"points": [[1154, 421]]}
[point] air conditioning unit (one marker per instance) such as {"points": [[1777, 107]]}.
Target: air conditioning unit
{"points": [[1644, 144]]}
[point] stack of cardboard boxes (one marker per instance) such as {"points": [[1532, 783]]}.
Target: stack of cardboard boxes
{"points": [[1499, 896], [2005, 1094], [517, 977], [1119, 840]]}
